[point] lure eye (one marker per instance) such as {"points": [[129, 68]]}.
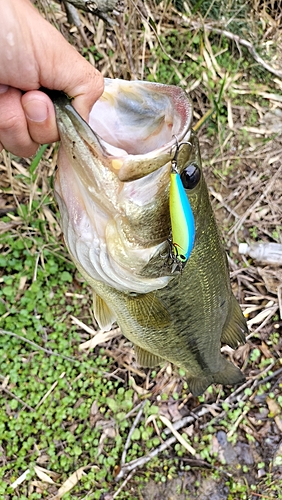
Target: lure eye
{"points": [[190, 176]]}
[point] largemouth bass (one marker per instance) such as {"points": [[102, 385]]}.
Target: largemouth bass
{"points": [[113, 189]]}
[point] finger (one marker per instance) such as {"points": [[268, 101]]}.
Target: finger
{"points": [[71, 73], [87, 92], [40, 117], [14, 134]]}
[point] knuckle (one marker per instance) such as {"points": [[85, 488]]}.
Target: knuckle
{"points": [[9, 123]]}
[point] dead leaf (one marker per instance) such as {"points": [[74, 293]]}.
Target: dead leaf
{"points": [[94, 413], [42, 474], [137, 388], [99, 338], [189, 430], [44, 459], [109, 432], [22, 283], [264, 349], [278, 421], [215, 447], [274, 408], [178, 436], [39, 486], [272, 278], [173, 410], [70, 483], [7, 226]]}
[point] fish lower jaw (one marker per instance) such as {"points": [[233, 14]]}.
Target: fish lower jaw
{"points": [[96, 265], [126, 283]]}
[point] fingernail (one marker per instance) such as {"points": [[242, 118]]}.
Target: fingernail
{"points": [[3, 88], [36, 111]]}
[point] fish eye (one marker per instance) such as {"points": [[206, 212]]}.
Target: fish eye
{"points": [[191, 176]]}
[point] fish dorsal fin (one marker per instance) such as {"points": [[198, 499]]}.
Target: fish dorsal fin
{"points": [[103, 314], [235, 326], [147, 359], [148, 310]]}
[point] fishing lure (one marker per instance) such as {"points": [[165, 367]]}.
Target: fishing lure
{"points": [[181, 216]]}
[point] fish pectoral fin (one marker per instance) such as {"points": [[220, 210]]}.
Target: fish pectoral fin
{"points": [[148, 310], [229, 374], [235, 327], [146, 358], [103, 314]]}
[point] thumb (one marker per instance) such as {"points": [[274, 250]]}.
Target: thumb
{"points": [[63, 68]]}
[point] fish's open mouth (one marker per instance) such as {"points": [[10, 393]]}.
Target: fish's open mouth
{"points": [[140, 124]]}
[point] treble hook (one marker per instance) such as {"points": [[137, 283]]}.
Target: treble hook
{"points": [[177, 149]]}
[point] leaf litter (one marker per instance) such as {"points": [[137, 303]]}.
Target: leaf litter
{"points": [[235, 434]]}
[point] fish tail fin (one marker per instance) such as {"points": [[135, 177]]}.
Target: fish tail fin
{"points": [[235, 327], [198, 385], [229, 374]]}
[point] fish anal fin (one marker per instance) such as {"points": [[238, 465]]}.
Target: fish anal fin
{"points": [[103, 314], [148, 310], [146, 358], [235, 327]]}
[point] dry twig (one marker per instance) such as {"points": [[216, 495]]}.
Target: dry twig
{"points": [[135, 423], [240, 41], [25, 405], [48, 351], [139, 462]]}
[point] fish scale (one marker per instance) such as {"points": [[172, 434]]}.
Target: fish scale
{"points": [[170, 313]]}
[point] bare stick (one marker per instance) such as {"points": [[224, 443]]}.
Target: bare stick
{"points": [[25, 405], [136, 420], [139, 462], [237, 39], [123, 485], [250, 48], [189, 419]]}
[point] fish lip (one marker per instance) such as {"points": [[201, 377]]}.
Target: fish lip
{"points": [[135, 166]]}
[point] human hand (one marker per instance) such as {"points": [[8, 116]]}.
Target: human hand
{"points": [[34, 54]]}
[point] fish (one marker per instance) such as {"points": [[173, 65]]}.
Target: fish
{"points": [[113, 188]]}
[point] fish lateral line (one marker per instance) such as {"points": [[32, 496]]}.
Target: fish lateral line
{"points": [[181, 217]]}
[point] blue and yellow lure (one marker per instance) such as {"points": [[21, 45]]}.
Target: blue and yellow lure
{"points": [[181, 216]]}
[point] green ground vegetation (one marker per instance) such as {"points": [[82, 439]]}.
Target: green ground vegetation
{"points": [[69, 417]]}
